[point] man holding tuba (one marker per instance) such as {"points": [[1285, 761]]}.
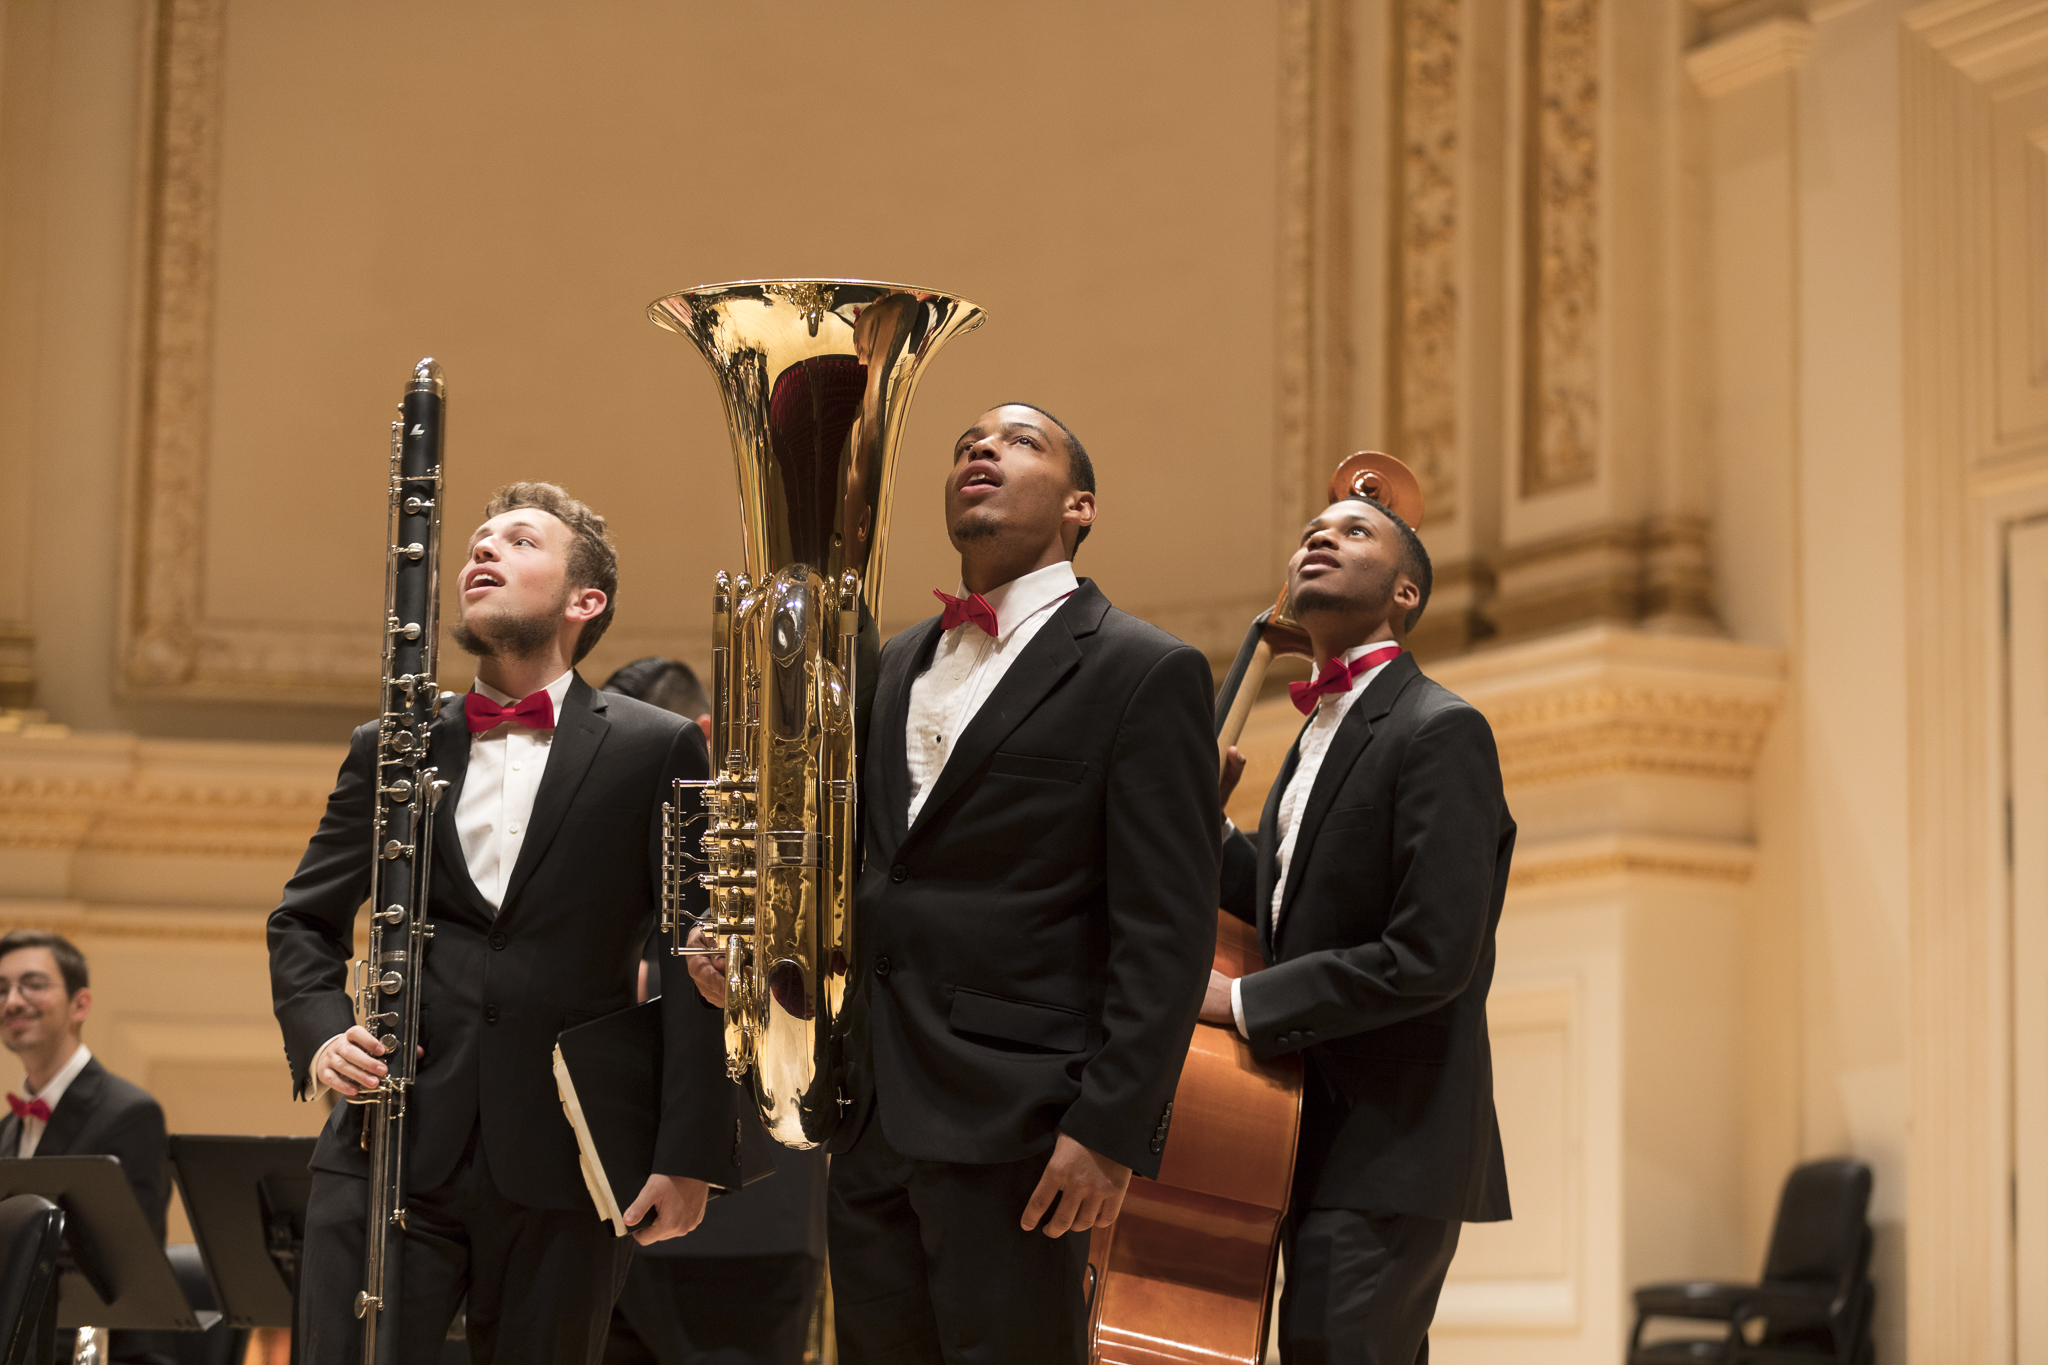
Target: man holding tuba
{"points": [[1375, 880], [544, 889], [1036, 912]]}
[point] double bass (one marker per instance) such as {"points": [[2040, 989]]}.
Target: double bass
{"points": [[1186, 1271]]}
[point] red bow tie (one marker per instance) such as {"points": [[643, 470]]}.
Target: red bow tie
{"points": [[973, 607], [1336, 678], [537, 712], [29, 1109]]}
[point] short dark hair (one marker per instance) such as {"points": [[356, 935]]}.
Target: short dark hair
{"points": [[1079, 467], [668, 683], [1414, 559], [593, 560], [70, 961]]}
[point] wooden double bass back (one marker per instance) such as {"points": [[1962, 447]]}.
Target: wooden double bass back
{"points": [[1186, 1271]]}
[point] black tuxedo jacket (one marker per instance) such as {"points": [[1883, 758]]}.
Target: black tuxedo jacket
{"points": [[563, 949], [1032, 951], [1384, 954], [103, 1115]]}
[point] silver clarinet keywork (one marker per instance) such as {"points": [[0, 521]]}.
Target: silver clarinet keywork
{"points": [[388, 981], [817, 376]]}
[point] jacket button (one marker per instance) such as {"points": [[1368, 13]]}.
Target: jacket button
{"points": [[1158, 1146], [1308, 1033], [899, 873], [490, 1014], [498, 942], [881, 966]]}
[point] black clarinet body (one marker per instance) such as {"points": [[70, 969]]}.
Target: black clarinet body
{"points": [[389, 979]]}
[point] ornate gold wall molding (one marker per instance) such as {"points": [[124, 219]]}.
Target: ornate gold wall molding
{"points": [[1565, 862], [1561, 289], [114, 795], [1658, 569], [17, 664], [84, 926], [1423, 389], [1605, 701], [173, 363], [1313, 336]]}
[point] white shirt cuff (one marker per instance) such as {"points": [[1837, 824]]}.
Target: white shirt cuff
{"points": [[1237, 1008], [1228, 828], [316, 1087]]}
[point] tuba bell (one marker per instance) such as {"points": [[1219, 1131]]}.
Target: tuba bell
{"points": [[816, 376]]}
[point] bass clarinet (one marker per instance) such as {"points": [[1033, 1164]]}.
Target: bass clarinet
{"points": [[388, 980]]}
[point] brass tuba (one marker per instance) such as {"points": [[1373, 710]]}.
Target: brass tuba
{"points": [[817, 376]]}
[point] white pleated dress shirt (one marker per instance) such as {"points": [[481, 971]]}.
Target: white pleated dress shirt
{"points": [[967, 663], [1313, 746], [506, 764], [31, 1128]]}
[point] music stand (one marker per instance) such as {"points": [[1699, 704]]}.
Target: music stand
{"points": [[113, 1272], [246, 1198]]}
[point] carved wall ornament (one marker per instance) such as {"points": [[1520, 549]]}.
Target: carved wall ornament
{"points": [[174, 363], [1424, 386], [113, 795], [1561, 440]]}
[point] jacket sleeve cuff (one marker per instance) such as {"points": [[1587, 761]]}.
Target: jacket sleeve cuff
{"points": [[1264, 1019], [308, 1023]]}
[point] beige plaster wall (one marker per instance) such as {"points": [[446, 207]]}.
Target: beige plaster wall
{"points": [[509, 185]]}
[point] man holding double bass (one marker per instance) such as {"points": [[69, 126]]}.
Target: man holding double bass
{"points": [[1375, 881]]}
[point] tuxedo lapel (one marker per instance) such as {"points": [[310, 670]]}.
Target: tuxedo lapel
{"points": [[1346, 746], [579, 732], [81, 1097], [10, 1136], [892, 716], [1052, 654], [1269, 849], [451, 765]]}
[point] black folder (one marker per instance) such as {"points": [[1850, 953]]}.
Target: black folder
{"points": [[608, 1072]]}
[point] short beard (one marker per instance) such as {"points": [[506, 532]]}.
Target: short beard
{"points": [[973, 527], [521, 637], [1377, 597]]}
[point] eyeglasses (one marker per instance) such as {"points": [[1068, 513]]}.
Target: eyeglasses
{"points": [[28, 987]]}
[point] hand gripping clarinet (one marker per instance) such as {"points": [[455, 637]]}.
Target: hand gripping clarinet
{"points": [[389, 983]]}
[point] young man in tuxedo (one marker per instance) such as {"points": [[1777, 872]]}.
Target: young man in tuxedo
{"points": [[1375, 881], [547, 854], [73, 1105], [1036, 916]]}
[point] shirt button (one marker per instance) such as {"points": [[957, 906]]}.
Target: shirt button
{"points": [[511, 829], [899, 873], [881, 966], [490, 1014]]}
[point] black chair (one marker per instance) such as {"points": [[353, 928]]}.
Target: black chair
{"points": [[1814, 1301], [31, 1239]]}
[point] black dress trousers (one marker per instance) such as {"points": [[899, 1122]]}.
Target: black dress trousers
{"points": [[539, 1283], [930, 1263], [1362, 1287]]}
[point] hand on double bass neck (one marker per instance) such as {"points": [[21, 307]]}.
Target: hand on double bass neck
{"points": [[1233, 769], [1089, 1187]]}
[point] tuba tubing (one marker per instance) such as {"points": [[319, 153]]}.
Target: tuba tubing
{"points": [[816, 377]]}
